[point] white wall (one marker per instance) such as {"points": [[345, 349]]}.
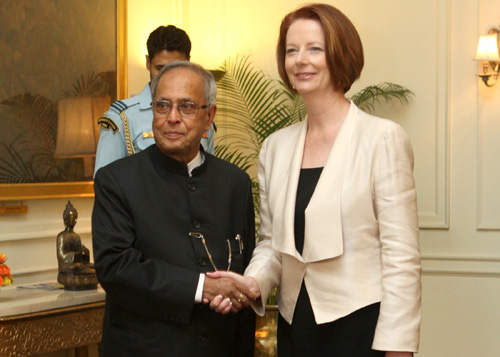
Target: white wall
{"points": [[453, 121]]}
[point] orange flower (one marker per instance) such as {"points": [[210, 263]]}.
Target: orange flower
{"points": [[4, 270], [5, 276]]}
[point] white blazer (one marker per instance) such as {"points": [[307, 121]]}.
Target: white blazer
{"points": [[361, 228]]}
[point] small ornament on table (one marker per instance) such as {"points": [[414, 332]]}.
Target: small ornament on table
{"points": [[76, 272], [5, 276]]}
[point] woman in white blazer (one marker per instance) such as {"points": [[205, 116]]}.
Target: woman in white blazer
{"points": [[339, 228]]}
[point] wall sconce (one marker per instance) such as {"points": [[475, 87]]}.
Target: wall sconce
{"points": [[77, 129], [487, 51]]}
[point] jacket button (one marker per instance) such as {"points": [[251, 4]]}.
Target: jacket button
{"points": [[202, 339], [202, 262], [191, 187], [196, 224]]}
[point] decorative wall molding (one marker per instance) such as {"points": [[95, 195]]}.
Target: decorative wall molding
{"points": [[34, 230], [31, 275], [437, 215], [488, 153], [461, 266], [42, 270], [488, 132]]}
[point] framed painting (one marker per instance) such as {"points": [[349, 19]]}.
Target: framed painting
{"points": [[63, 63]]}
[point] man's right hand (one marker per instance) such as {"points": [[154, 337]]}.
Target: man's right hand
{"points": [[229, 292]]}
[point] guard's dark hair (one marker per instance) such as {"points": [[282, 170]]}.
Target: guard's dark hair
{"points": [[168, 38]]}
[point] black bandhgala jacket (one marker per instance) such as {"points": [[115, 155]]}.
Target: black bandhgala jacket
{"points": [[145, 207]]}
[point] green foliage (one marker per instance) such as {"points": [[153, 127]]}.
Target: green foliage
{"points": [[366, 98]]}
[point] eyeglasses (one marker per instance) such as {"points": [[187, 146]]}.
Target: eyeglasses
{"points": [[185, 109]]}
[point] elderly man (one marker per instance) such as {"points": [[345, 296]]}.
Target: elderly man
{"points": [[163, 218]]}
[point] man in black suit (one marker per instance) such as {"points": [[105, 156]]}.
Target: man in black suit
{"points": [[163, 218]]}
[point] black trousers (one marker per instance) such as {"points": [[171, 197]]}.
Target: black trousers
{"points": [[350, 336]]}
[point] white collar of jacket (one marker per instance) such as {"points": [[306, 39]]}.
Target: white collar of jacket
{"points": [[319, 243]]}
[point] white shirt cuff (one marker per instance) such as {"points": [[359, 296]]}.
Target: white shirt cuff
{"points": [[199, 289]]}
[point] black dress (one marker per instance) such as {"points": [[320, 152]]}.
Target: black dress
{"points": [[350, 336]]}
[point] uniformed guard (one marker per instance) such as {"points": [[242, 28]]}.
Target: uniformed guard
{"points": [[126, 128]]}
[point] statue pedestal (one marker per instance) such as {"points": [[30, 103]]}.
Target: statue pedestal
{"points": [[77, 281]]}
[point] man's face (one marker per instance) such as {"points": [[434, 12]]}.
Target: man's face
{"points": [[176, 136], [161, 59]]}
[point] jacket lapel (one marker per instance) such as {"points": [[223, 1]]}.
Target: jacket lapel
{"points": [[323, 228], [323, 225], [284, 211]]}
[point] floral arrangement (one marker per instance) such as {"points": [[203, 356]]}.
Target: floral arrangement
{"points": [[5, 277]]}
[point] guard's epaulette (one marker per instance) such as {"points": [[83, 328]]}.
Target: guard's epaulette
{"points": [[118, 106], [107, 123]]}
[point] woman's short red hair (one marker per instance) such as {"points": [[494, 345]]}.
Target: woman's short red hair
{"points": [[344, 51]]}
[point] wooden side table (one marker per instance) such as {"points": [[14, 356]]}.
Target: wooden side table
{"points": [[39, 321]]}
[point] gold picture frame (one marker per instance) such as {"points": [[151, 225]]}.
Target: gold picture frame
{"points": [[30, 191]]}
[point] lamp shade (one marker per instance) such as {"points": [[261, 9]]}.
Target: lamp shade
{"points": [[487, 48], [77, 130]]}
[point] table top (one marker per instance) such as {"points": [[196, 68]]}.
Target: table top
{"points": [[17, 301]]}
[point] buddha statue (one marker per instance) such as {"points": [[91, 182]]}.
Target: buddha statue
{"points": [[76, 272]]}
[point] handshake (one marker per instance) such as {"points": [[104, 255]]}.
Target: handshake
{"points": [[227, 291]]}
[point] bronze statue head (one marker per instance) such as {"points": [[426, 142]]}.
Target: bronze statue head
{"points": [[70, 214]]}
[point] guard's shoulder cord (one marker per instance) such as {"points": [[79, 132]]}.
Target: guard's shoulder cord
{"points": [[126, 133]]}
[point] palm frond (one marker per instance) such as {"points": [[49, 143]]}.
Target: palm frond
{"points": [[16, 169], [92, 85], [238, 158], [366, 98], [254, 106], [38, 115]]}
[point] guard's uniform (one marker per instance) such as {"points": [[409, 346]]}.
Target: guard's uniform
{"points": [[127, 128]]}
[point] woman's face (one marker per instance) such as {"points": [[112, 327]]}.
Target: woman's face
{"points": [[305, 60]]}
